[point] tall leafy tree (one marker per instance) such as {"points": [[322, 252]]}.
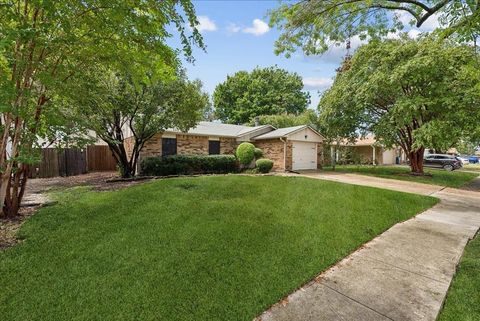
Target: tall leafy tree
{"points": [[125, 114], [308, 117], [264, 91], [314, 25], [43, 44], [409, 93]]}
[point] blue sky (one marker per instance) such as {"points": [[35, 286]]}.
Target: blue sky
{"points": [[238, 38]]}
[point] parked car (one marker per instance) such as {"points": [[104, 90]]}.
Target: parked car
{"points": [[447, 162], [463, 159], [473, 159]]}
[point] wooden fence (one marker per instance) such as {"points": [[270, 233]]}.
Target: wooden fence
{"points": [[99, 158], [73, 161]]}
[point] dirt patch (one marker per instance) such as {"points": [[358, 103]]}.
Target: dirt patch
{"points": [[34, 194], [97, 180], [473, 185], [9, 227]]}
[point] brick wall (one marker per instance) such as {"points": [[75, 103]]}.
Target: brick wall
{"points": [[228, 145], [186, 145], [192, 145], [128, 143], [152, 147], [289, 156], [198, 145], [273, 149]]}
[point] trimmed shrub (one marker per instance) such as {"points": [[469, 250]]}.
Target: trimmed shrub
{"points": [[188, 164], [258, 153], [264, 165], [245, 153]]}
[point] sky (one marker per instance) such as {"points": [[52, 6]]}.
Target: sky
{"points": [[237, 37]]}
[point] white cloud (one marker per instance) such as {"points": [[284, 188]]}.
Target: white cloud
{"points": [[414, 33], [431, 23], [233, 28], [258, 28], [404, 17], [312, 83], [337, 51], [205, 24]]}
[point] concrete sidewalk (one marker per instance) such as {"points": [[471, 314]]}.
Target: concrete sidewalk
{"points": [[403, 274]]}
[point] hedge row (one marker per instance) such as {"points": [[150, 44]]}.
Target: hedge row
{"points": [[188, 164]]}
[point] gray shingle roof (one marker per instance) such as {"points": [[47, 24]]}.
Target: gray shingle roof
{"points": [[205, 128], [281, 132]]}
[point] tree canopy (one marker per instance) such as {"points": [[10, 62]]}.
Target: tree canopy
{"points": [[117, 108], [409, 93], [43, 44], [264, 91], [308, 117], [314, 25]]}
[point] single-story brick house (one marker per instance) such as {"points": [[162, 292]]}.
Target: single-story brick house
{"points": [[291, 148], [367, 150]]}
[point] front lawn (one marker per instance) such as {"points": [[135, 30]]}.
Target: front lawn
{"points": [[206, 248], [463, 299], [438, 176]]}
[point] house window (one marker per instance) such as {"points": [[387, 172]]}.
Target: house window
{"points": [[214, 147], [169, 146]]}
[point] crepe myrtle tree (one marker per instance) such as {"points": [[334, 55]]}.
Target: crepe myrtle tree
{"points": [[126, 114], [409, 93], [43, 44], [315, 25]]}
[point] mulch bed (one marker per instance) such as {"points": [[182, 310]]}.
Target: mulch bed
{"points": [[100, 181], [10, 226]]}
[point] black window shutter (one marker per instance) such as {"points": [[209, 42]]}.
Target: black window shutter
{"points": [[169, 146], [214, 147]]}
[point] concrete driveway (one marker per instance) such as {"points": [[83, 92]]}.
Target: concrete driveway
{"points": [[403, 274]]}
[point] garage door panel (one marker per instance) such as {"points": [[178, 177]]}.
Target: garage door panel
{"points": [[304, 155]]}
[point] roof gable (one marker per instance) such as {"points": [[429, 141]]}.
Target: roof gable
{"points": [[288, 132]]}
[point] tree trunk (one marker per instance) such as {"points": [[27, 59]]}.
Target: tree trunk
{"points": [[333, 155], [15, 190], [120, 155], [7, 173], [416, 161]]}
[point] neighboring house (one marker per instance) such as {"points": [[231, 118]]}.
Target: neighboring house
{"points": [[291, 148], [367, 150]]}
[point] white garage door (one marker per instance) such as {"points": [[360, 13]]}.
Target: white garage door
{"points": [[304, 155]]}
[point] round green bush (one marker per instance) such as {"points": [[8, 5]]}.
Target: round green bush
{"points": [[245, 153], [258, 153], [264, 165]]}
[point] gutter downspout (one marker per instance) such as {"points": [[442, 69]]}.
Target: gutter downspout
{"points": [[284, 153]]}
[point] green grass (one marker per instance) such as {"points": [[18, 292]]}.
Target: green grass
{"points": [[438, 177], [206, 248], [463, 299]]}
